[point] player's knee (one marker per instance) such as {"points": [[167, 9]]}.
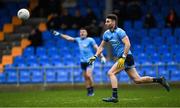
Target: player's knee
{"points": [[87, 75], [110, 74]]}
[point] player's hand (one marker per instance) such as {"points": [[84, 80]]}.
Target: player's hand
{"points": [[121, 62], [55, 33], [103, 60], [92, 59]]}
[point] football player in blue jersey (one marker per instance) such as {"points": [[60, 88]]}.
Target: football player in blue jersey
{"points": [[120, 42], [86, 46]]}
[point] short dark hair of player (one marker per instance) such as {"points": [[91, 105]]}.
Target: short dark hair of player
{"points": [[112, 17]]}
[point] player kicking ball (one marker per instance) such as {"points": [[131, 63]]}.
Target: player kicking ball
{"points": [[121, 44], [86, 46]]}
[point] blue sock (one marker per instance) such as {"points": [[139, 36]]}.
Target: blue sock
{"points": [[114, 93]]}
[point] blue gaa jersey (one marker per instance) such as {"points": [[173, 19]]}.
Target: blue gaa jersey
{"points": [[115, 38], [86, 48]]}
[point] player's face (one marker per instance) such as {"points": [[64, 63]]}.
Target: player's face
{"points": [[109, 23], [83, 33]]}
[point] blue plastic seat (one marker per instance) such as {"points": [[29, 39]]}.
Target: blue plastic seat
{"points": [[12, 77], [44, 60], [31, 60], [40, 51], [167, 58], [154, 32], [151, 73], [175, 76], [24, 76], [150, 49], [171, 40], [2, 77], [174, 49], [37, 75], [62, 75], [166, 32], [142, 59], [98, 75], [123, 77], [155, 58], [177, 32], [138, 24], [127, 25], [50, 75], [78, 75], [177, 58], [28, 51], [19, 59], [163, 49], [164, 73], [53, 51]]}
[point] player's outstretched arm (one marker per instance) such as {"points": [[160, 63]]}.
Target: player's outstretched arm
{"points": [[98, 52], [66, 37]]}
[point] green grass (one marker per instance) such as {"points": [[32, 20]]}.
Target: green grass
{"points": [[129, 96]]}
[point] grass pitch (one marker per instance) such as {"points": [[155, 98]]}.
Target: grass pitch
{"points": [[129, 96]]}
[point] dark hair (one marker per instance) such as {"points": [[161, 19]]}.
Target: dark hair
{"points": [[112, 17]]}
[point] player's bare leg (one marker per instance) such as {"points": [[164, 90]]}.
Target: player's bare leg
{"points": [[89, 82], [133, 74], [114, 83]]}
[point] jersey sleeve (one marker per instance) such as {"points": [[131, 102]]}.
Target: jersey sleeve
{"points": [[105, 37], [93, 42], [122, 34], [76, 39]]}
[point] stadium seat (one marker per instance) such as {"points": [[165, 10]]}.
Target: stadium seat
{"points": [[24, 76], [98, 75], [167, 58], [43, 60], [164, 73], [177, 58], [163, 49], [28, 51], [174, 49], [18, 59], [40, 51], [154, 32], [166, 32], [150, 49], [152, 73], [31, 60], [2, 77], [62, 75], [127, 25], [78, 75], [12, 77], [142, 59], [123, 77], [138, 24], [158, 40], [50, 75], [155, 58], [177, 32], [52, 51], [175, 76], [37, 75]]}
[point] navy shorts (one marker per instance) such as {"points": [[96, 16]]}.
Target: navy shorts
{"points": [[85, 65], [129, 62]]}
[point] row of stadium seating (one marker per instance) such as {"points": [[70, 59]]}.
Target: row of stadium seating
{"points": [[67, 74]]}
